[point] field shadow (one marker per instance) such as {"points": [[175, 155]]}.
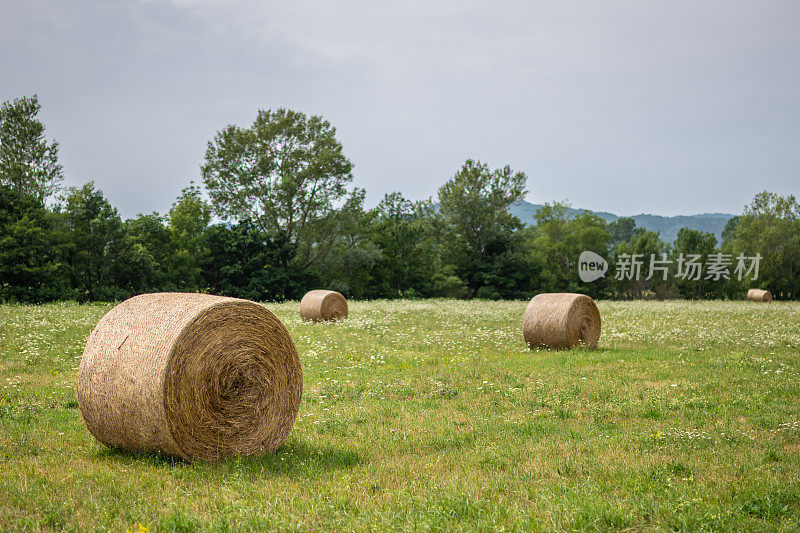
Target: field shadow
{"points": [[295, 458], [300, 458]]}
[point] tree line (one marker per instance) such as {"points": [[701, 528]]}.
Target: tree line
{"points": [[276, 215]]}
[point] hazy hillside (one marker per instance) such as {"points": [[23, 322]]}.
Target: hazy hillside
{"points": [[667, 226]]}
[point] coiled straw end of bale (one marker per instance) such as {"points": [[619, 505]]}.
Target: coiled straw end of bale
{"points": [[561, 321]]}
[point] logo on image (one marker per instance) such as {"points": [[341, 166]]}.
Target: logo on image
{"points": [[591, 266]]}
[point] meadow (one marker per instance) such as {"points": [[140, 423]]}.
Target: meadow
{"points": [[434, 415]]}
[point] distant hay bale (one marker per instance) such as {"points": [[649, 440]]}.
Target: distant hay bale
{"points": [[561, 321], [759, 295], [194, 376], [322, 305]]}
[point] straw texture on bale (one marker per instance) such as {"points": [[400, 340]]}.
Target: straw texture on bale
{"points": [[759, 295], [194, 376], [561, 321], [323, 305]]}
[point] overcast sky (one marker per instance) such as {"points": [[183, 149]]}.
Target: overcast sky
{"points": [[675, 107]]}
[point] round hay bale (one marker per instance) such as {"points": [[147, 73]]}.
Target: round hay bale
{"points": [[759, 295], [323, 305], [194, 376], [561, 321]]}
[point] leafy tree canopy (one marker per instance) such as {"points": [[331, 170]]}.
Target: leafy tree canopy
{"points": [[474, 207], [770, 226], [28, 164], [286, 173]]}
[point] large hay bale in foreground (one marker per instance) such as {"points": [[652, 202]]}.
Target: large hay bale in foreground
{"points": [[561, 321], [759, 295], [323, 305], [190, 375]]}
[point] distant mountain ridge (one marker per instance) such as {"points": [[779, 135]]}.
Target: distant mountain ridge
{"points": [[667, 226]]}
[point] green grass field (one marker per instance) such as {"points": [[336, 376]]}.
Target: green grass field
{"points": [[434, 415]]}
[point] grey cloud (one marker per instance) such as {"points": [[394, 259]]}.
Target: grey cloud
{"points": [[621, 106]]}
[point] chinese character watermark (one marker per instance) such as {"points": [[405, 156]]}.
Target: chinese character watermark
{"points": [[689, 267], [629, 266]]}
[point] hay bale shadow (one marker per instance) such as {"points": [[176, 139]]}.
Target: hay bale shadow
{"points": [[300, 458], [295, 458]]}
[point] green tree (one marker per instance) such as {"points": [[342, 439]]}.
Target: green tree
{"points": [[549, 237], [587, 232], [188, 221], [28, 164], [350, 267], [770, 226], [474, 207], [143, 256], [622, 230], [96, 232], [698, 245], [729, 232], [630, 281], [287, 174], [247, 263], [559, 239], [410, 264], [510, 269], [32, 251]]}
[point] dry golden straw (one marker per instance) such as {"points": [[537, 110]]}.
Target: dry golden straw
{"points": [[759, 295], [323, 305], [190, 375], [561, 321]]}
